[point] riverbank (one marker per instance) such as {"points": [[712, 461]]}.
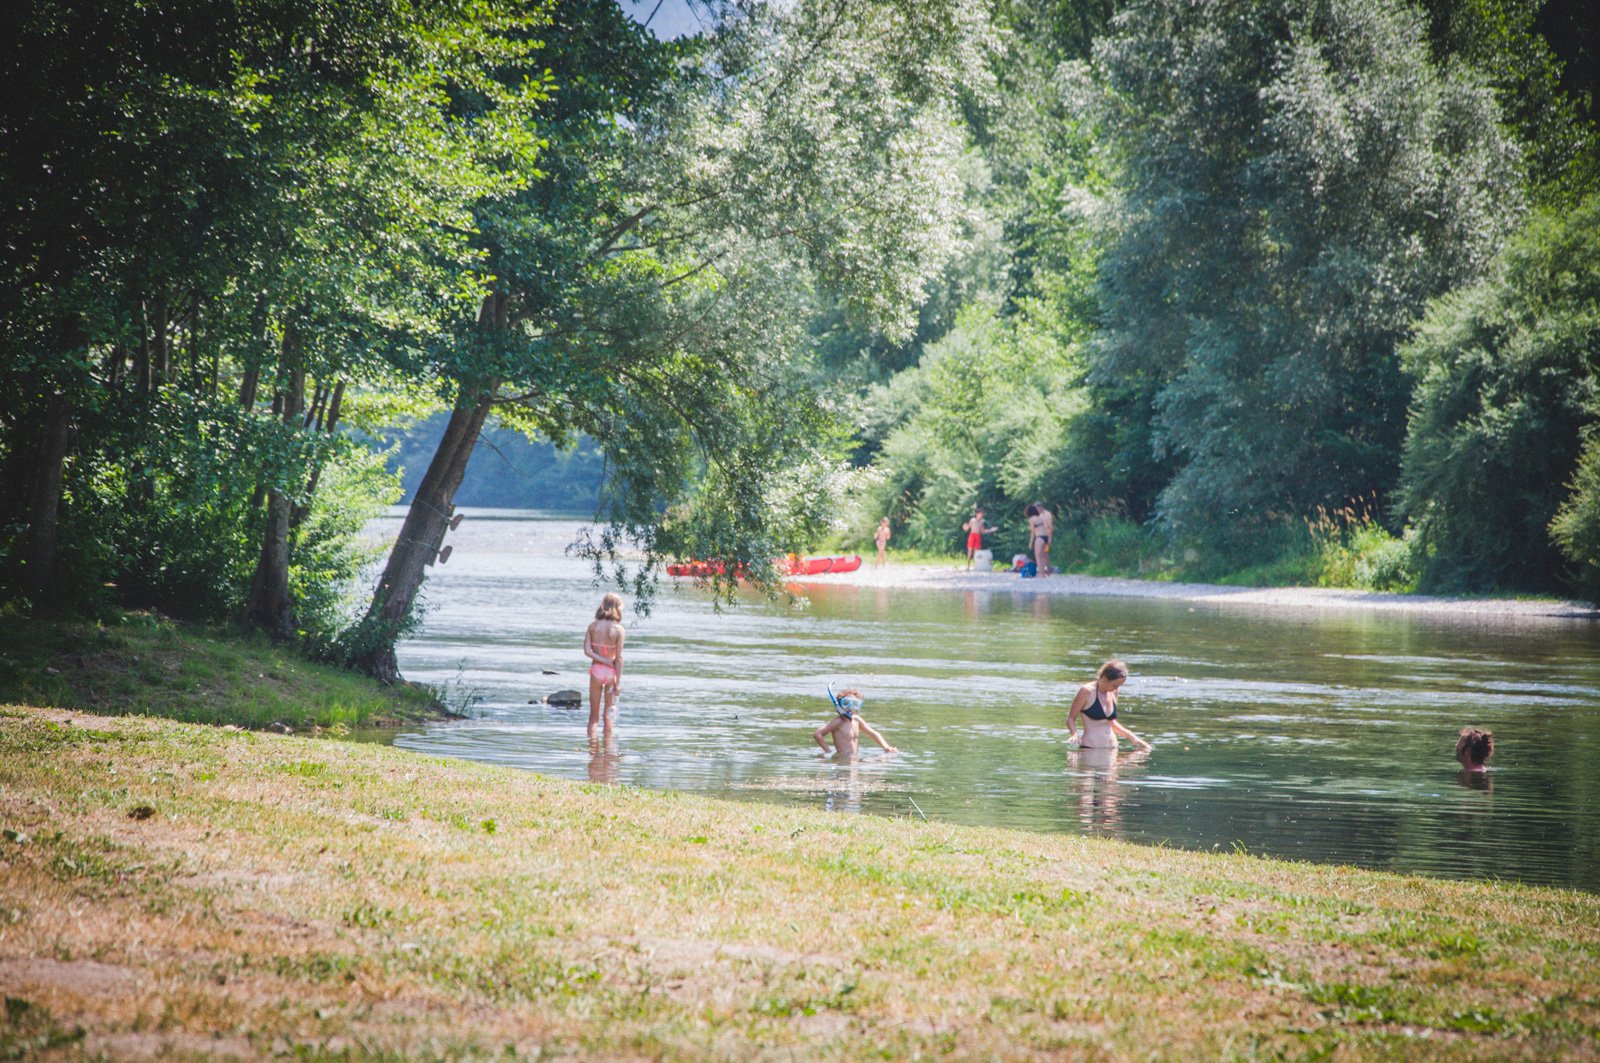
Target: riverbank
{"points": [[149, 665], [182, 891], [926, 576]]}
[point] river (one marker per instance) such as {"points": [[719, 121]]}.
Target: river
{"points": [[1317, 735]]}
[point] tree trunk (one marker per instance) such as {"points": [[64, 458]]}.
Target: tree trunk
{"points": [[421, 535], [269, 607], [331, 425], [44, 504]]}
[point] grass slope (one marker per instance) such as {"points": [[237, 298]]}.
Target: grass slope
{"points": [[151, 666], [180, 891]]}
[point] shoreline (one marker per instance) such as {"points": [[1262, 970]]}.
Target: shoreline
{"points": [[175, 890], [900, 576]]}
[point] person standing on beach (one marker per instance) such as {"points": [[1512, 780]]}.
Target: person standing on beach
{"points": [[881, 537], [1097, 704], [1041, 526], [602, 644], [976, 530]]}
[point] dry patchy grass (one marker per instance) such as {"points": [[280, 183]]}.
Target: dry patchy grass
{"points": [[287, 896]]}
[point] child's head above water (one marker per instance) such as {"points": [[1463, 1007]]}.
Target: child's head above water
{"points": [[847, 702], [1474, 747], [610, 608]]}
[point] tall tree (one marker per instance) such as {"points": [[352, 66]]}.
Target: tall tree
{"points": [[1299, 180], [649, 289], [185, 187]]}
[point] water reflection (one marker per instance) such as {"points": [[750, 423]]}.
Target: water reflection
{"points": [[1326, 736], [1094, 774], [605, 760]]}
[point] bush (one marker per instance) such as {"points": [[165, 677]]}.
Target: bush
{"points": [[1506, 386]]}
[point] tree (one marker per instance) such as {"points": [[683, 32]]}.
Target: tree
{"points": [[268, 192], [649, 289], [1298, 180], [1506, 377]]}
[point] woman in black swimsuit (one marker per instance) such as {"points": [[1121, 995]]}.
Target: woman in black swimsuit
{"points": [[1097, 704]]}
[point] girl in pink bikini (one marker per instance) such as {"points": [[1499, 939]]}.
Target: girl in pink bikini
{"points": [[602, 644]]}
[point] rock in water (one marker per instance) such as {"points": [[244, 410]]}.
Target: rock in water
{"points": [[565, 699]]}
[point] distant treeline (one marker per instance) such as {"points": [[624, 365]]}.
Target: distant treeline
{"points": [[507, 470], [1271, 290]]}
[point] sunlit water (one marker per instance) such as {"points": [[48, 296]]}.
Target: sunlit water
{"points": [[1320, 735]]}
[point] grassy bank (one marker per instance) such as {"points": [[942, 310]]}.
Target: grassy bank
{"points": [[187, 892], [150, 666]]}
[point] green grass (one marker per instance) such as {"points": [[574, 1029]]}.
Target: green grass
{"points": [[301, 898], [151, 666]]}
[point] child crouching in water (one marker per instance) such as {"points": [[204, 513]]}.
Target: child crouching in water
{"points": [[602, 644], [847, 725]]}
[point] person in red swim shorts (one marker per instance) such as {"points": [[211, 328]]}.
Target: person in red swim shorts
{"points": [[975, 529]]}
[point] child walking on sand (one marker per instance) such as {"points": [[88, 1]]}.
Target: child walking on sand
{"points": [[847, 725], [602, 644]]}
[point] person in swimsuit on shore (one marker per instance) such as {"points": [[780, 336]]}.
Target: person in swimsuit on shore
{"points": [[881, 537], [976, 530], [1097, 704], [602, 644], [1041, 526]]}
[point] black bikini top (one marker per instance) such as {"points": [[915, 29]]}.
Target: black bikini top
{"points": [[1096, 710]]}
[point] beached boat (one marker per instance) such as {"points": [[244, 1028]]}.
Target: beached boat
{"points": [[793, 566]]}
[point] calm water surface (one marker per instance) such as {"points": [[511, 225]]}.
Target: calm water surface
{"points": [[1320, 735]]}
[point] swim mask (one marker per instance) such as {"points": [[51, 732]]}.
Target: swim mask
{"points": [[846, 707]]}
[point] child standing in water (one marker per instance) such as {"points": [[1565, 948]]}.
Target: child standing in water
{"points": [[1097, 704], [847, 725], [602, 644], [881, 537]]}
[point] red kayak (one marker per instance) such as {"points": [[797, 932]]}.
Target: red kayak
{"points": [[703, 569], [800, 566], [816, 566]]}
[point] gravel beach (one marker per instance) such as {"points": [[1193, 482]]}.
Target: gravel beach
{"points": [[1472, 610]]}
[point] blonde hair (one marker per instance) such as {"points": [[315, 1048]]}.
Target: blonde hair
{"points": [[610, 608]]}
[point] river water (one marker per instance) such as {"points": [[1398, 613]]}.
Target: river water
{"points": [[1323, 735]]}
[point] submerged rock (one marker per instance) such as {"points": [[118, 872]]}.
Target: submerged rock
{"points": [[565, 699]]}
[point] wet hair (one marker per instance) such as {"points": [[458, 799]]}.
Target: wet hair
{"points": [[1475, 745], [1032, 510], [1112, 671], [610, 608]]}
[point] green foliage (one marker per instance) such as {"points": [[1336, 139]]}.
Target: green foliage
{"points": [[974, 424], [1518, 45], [1274, 247], [330, 552], [1576, 527], [1505, 388]]}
